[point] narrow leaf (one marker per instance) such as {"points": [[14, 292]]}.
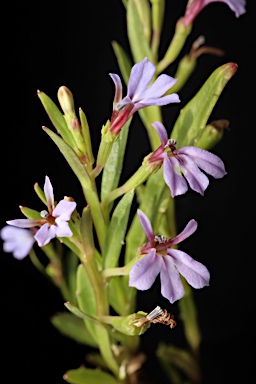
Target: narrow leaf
{"points": [[72, 159], [194, 116], [117, 230], [56, 117], [138, 43], [123, 60], [73, 327], [88, 376]]}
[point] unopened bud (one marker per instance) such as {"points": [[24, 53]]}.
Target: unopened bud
{"points": [[66, 101], [212, 134]]}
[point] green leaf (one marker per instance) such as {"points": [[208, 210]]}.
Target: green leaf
{"points": [[84, 292], [113, 167], [117, 230], [40, 193], [123, 60], [138, 43], [73, 327], [117, 295], [72, 159], [31, 213], [57, 118], [194, 116], [70, 263], [188, 314], [89, 376]]}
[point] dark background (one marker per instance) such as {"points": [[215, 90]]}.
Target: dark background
{"points": [[45, 46]]}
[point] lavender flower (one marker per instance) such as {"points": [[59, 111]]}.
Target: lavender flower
{"points": [[194, 7], [181, 166], [54, 222], [159, 257], [18, 241], [139, 93]]}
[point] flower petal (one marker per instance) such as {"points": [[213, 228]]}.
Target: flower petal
{"points": [[160, 86], [173, 177], [146, 225], [48, 191], [190, 228], [62, 228], [18, 241], [118, 88], [162, 133], [205, 160], [140, 77], [197, 180], [64, 209], [145, 271], [45, 234], [171, 285], [25, 223], [196, 274]]}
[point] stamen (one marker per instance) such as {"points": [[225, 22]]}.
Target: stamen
{"points": [[155, 313], [170, 143], [44, 214], [160, 239]]}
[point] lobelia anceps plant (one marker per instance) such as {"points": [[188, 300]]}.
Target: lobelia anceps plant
{"points": [[125, 235]]}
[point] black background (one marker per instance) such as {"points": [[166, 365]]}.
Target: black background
{"points": [[45, 46]]}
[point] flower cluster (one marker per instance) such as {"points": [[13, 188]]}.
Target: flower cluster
{"points": [[96, 237]]}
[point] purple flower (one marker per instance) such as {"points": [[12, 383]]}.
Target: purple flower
{"points": [[194, 7], [139, 93], [54, 222], [18, 241], [159, 257], [181, 166]]}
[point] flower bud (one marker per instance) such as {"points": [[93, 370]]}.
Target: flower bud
{"points": [[66, 101], [212, 134]]}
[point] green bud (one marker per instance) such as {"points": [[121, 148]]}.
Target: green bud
{"points": [[212, 134], [66, 101]]}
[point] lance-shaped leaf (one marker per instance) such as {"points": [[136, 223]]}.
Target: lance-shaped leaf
{"points": [[40, 193], [117, 230], [88, 376], [72, 159], [87, 304], [194, 116], [86, 137], [138, 43], [70, 263], [57, 118], [30, 213], [124, 62], [113, 167], [188, 314], [85, 181], [73, 327]]}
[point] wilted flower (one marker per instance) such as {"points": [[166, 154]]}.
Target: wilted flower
{"points": [[194, 7], [18, 241], [159, 257], [139, 93], [54, 222], [182, 165]]}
